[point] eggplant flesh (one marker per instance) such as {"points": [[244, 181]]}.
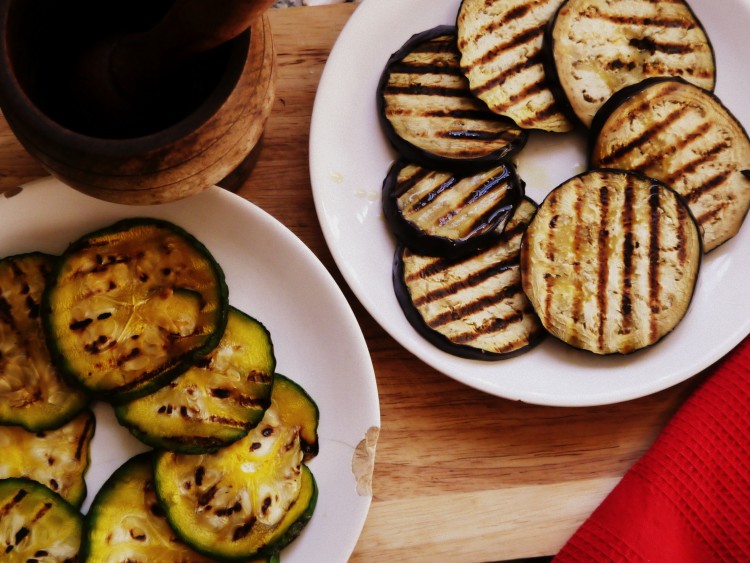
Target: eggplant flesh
{"points": [[611, 260], [440, 213], [429, 114], [593, 48], [472, 307], [501, 55], [684, 136]]}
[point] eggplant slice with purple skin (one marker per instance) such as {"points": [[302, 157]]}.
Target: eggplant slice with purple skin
{"points": [[593, 48], [610, 261], [684, 136], [439, 213], [473, 307], [501, 55], [429, 114]]}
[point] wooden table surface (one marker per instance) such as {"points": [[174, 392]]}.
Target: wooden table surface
{"points": [[459, 475]]}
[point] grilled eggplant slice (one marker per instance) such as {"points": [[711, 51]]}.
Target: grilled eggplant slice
{"points": [[37, 524], [126, 521], [611, 260], [471, 307], [594, 48], [33, 392], [250, 497], [131, 306], [217, 401], [684, 136], [444, 214], [57, 458], [501, 55], [429, 114]]}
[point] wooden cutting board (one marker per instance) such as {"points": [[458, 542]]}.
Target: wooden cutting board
{"points": [[460, 475]]}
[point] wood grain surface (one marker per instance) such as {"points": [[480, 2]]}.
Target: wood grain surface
{"points": [[460, 475]]}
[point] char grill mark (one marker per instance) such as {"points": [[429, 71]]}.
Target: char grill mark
{"points": [[654, 247], [626, 305], [712, 183], [472, 280], [644, 137], [524, 37], [429, 197], [603, 259], [499, 79], [473, 307]]}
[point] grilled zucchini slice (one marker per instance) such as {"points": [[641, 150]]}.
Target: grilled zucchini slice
{"points": [[471, 307], [33, 392], [429, 114], [610, 261], [131, 306], [56, 458], [596, 47], [126, 523], [501, 55], [250, 497], [216, 401], [684, 136], [37, 524], [440, 213]]}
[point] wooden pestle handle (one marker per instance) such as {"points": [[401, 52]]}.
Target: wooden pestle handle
{"points": [[190, 27]]}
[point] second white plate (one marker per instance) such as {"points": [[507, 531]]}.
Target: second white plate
{"points": [[349, 157]]}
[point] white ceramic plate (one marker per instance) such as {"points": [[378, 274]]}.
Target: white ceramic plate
{"points": [[349, 157], [272, 276]]}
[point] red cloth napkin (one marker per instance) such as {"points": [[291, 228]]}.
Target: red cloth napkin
{"points": [[688, 498]]}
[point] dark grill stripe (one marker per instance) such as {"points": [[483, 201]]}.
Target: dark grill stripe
{"points": [[424, 90], [500, 78], [554, 205], [522, 38], [644, 137], [8, 507], [472, 280], [644, 21], [498, 324], [627, 256], [405, 184], [85, 437], [706, 157], [603, 260], [474, 307], [528, 91], [711, 184], [654, 249], [431, 196]]}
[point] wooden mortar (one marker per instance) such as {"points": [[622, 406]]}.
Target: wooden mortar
{"points": [[172, 160]]}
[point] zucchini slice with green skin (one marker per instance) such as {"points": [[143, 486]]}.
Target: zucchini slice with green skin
{"points": [[611, 260], [127, 524], [429, 114], [501, 55], [684, 136], [472, 307], [444, 214], [34, 394], [133, 305], [298, 410], [216, 401], [248, 498], [56, 458], [593, 48], [37, 524]]}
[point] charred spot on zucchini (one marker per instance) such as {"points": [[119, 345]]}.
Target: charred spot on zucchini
{"points": [[57, 458], [445, 214], [501, 55], [34, 394], [429, 114], [611, 260], [216, 401], [472, 307], [35, 519], [684, 136], [250, 497], [126, 522], [593, 48], [131, 306]]}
